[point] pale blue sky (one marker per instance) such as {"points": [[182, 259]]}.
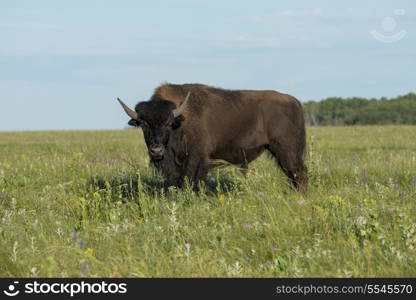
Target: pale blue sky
{"points": [[63, 63]]}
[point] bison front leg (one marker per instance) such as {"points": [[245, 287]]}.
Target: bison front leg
{"points": [[194, 171]]}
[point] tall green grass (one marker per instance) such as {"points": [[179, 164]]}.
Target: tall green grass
{"points": [[88, 204]]}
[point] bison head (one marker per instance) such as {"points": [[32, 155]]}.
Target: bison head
{"points": [[157, 118]]}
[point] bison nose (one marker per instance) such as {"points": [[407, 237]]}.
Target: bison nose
{"points": [[156, 150]]}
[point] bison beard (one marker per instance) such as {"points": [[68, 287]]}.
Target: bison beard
{"points": [[169, 169], [216, 124], [169, 166]]}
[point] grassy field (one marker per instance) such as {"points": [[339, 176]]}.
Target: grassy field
{"points": [[87, 204]]}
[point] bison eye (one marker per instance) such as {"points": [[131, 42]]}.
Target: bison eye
{"points": [[177, 122]]}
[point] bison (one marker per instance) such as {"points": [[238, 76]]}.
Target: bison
{"points": [[187, 127]]}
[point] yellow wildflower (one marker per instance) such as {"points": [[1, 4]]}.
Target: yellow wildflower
{"points": [[139, 221], [89, 252]]}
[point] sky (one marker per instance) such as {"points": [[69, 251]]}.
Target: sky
{"points": [[64, 63]]}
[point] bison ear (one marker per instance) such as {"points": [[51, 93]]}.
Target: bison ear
{"points": [[134, 123], [177, 121]]}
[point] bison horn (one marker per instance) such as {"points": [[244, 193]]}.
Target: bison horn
{"points": [[132, 114], [178, 111]]}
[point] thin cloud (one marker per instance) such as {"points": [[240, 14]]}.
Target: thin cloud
{"points": [[21, 38], [349, 14]]}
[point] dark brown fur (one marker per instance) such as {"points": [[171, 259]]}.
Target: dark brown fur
{"points": [[235, 126]]}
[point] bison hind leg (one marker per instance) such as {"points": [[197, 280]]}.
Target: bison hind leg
{"points": [[290, 160]]}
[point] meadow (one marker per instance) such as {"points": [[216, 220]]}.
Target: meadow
{"points": [[87, 204]]}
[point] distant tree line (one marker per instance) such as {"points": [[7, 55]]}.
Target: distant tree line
{"points": [[361, 111]]}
